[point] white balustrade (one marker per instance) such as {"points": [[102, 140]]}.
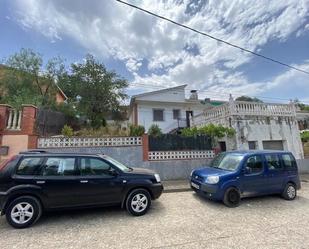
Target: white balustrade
{"points": [[60, 142], [14, 120], [176, 155], [239, 108]]}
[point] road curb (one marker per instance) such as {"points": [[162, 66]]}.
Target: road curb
{"points": [[176, 190]]}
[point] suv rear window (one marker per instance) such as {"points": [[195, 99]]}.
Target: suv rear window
{"points": [[29, 166], [59, 166]]}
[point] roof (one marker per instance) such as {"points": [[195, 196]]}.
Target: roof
{"points": [[61, 92], [159, 91]]}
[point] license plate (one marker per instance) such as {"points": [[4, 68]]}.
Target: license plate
{"points": [[194, 185]]}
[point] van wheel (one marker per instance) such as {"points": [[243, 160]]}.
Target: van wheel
{"points": [[231, 197], [289, 192], [138, 202], [23, 211]]}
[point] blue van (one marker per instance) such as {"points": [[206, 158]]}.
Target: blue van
{"points": [[237, 174]]}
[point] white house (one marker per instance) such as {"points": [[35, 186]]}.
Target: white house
{"points": [[257, 125], [168, 108]]}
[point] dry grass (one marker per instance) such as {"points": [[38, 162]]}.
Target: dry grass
{"points": [[110, 130]]}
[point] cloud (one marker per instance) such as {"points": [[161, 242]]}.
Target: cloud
{"points": [[110, 29]]}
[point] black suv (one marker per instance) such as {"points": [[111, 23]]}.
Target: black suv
{"points": [[37, 181]]}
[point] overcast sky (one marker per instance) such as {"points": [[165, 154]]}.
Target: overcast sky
{"points": [[153, 54]]}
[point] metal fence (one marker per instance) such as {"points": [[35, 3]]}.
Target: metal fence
{"points": [[170, 142], [49, 122]]}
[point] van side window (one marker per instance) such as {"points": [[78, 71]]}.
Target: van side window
{"points": [[273, 162], [254, 165], [288, 161], [29, 166], [59, 166]]}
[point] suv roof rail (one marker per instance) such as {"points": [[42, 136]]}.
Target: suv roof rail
{"points": [[33, 151]]}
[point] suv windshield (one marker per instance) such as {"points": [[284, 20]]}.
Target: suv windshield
{"points": [[117, 164], [226, 161]]}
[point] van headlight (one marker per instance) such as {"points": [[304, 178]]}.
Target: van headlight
{"points": [[157, 176], [212, 179], [191, 173]]}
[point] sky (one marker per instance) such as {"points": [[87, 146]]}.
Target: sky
{"points": [[153, 54]]}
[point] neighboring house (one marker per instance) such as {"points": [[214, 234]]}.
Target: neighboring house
{"points": [[60, 96], [168, 108], [303, 119], [257, 126]]}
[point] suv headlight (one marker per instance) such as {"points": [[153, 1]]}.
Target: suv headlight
{"points": [[157, 176], [191, 173], [212, 179]]}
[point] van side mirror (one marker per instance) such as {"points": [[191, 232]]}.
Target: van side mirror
{"points": [[247, 170]]}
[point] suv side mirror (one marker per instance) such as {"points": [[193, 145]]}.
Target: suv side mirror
{"points": [[113, 172]]}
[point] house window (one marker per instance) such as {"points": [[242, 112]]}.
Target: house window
{"points": [[158, 115], [252, 145], [176, 114]]}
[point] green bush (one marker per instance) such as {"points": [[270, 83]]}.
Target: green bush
{"points": [[67, 131], [214, 131], [136, 130], [154, 130], [304, 136]]}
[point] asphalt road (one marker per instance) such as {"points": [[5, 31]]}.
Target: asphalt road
{"points": [[176, 220]]}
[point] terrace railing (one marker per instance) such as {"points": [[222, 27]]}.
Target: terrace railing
{"points": [[242, 108]]}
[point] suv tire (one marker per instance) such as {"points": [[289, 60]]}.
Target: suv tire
{"points": [[289, 192], [138, 202], [23, 211], [231, 197]]}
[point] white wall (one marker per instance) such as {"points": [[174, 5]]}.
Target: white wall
{"points": [[260, 130], [145, 114]]}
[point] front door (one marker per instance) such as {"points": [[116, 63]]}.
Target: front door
{"points": [[189, 114], [253, 179], [99, 183]]}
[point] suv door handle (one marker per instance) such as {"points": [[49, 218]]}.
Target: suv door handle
{"points": [[40, 182], [83, 181]]}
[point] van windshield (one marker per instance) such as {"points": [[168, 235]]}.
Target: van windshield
{"points": [[226, 161]]}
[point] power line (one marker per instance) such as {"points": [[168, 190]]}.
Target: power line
{"points": [[212, 37]]}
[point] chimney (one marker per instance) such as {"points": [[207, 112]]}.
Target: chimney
{"points": [[207, 100], [193, 95]]}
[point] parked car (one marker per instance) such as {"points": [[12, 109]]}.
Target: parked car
{"points": [[37, 181], [237, 174]]}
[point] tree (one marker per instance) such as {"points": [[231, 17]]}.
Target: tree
{"points": [[249, 99], [99, 91], [27, 80], [302, 106]]}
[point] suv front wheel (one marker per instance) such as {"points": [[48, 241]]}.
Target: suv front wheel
{"points": [[138, 202], [23, 211]]}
